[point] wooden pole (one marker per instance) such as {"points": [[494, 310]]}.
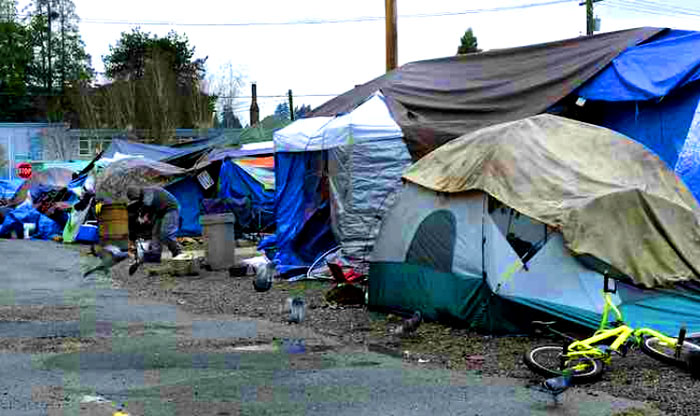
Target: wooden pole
{"points": [[291, 106], [391, 35], [589, 17], [49, 34]]}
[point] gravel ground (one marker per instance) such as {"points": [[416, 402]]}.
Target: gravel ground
{"points": [[635, 377]]}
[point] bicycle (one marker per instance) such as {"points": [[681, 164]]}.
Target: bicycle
{"points": [[584, 360]]}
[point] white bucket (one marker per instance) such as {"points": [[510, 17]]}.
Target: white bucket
{"points": [[28, 228]]}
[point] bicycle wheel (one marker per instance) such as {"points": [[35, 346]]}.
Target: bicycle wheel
{"points": [[545, 360], [655, 348]]}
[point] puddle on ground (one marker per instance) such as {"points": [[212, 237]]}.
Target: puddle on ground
{"points": [[254, 348], [276, 348]]}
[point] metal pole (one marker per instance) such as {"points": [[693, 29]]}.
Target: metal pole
{"points": [[291, 106]]}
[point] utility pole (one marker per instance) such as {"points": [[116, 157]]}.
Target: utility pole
{"points": [[49, 19], [589, 17], [391, 34], [291, 106], [254, 110], [590, 22], [63, 47]]}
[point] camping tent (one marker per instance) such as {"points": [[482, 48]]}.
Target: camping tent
{"points": [[527, 214], [334, 178]]}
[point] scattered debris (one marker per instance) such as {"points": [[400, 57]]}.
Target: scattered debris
{"points": [[94, 399], [264, 275], [410, 325], [297, 309], [346, 294], [109, 256]]}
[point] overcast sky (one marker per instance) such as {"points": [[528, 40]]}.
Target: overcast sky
{"points": [[331, 58]]}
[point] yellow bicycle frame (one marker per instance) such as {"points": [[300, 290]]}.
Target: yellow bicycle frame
{"points": [[585, 348]]}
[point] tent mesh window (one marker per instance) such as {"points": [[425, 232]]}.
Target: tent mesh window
{"points": [[433, 244], [524, 234]]}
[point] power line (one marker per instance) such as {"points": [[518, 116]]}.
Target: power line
{"points": [[675, 8], [642, 5], [323, 21], [281, 96], [636, 7]]}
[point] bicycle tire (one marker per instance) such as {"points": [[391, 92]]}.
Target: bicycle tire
{"points": [[651, 347], [545, 370]]}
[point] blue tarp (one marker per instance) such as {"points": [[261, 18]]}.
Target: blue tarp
{"points": [[661, 126], [650, 70], [189, 194], [236, 183], [8, 187], [298, 196], [650, 93], [25, 213]]}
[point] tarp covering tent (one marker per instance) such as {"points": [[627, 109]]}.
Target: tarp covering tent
{"points": [[253, 180], [585, 180], [452, 247], [438, 100], [362, 154], [188, 193], [182, 155], [111, 184], [246, 150], [651, 93], [25, 213], [149, 151]]}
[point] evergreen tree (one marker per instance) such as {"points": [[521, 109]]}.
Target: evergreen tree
{"points": [[468, 43]]}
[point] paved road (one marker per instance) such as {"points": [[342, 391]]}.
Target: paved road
{"points": [[141, 363]]}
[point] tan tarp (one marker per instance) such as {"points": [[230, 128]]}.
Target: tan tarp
{"points": [[610, 196], [112, 182]]}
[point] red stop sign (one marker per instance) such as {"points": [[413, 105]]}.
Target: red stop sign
{"points": [[24, 170]]}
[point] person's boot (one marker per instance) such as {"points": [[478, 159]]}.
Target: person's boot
{"points": [[174, 248], [134, 267]]}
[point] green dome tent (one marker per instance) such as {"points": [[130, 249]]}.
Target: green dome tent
{"points": [[490, 229]]}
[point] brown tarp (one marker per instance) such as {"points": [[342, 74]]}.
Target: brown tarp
{"points": [[438, 100], [609, 196]]}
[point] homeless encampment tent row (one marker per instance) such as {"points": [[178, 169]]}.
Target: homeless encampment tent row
{"points": [[137, 164], [334, 179], [530, 214], [210, 174], [429, 103]]}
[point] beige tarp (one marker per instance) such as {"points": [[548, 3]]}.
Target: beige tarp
{"points": [[610, 196], [112, 182]]}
